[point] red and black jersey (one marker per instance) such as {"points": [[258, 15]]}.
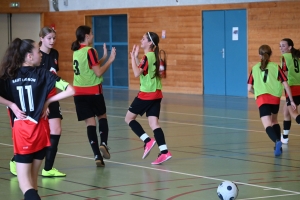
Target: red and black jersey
{"points": [[50, 61], [29, 90]]}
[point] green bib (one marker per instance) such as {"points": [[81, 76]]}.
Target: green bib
{"points": [[148, 83], [293, 66], [266, 82], [83, 75]]}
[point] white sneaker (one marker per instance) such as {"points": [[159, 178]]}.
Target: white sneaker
{"points": [[284, 140]]}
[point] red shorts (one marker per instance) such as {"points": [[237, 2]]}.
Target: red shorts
{"points": [[29, 137]]}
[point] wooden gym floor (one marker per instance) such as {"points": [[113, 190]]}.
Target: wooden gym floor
{"points": [[212, 138]]}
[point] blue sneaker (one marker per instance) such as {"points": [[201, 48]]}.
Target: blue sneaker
{"points": [[278, 150]]}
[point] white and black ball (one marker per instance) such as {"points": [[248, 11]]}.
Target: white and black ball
{"points": [[227, 190]]}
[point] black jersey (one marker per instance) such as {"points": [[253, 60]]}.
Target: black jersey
{"points": [[50, 61], [29, 90]]}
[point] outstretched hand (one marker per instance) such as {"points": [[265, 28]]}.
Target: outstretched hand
{"points": [[113, 54], [135, 51], [104, 51]]}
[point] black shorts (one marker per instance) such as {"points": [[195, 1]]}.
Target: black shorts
{"points": [[28, 158], [88, 106], [268, 109], [150, 107], [54, 109], [295, 98]]}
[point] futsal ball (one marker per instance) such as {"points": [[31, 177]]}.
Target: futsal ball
{"points": [[227, 190]]}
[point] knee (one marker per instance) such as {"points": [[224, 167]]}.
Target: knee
{"points": [[154, 125], [55, 130], [128, 120]]}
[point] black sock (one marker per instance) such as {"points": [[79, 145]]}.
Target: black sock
{"points": [[31, 194], [138, 129], [160, 139], [93, 139], [51, 152], [271, 133], [103, 130], [286, 126], [277, 130]]}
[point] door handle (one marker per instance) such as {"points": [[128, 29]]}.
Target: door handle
{"points": [[223, 53]]}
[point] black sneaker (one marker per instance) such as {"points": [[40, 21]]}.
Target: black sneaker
{"points": [[99, 161]]}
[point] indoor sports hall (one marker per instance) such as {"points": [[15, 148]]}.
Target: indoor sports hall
{"points": [[210, 121]]}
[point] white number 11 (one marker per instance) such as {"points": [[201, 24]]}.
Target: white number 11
{"points": [[30, 98]]}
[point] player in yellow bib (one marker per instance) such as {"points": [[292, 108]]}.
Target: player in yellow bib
{"points": [[149, 98], [265, 81], [290, 65], [88, 98]]}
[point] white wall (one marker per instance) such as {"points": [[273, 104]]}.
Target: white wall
{"points": [[24, 26], [4, 34], [112, 4]]}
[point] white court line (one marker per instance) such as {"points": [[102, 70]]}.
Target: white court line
{"points": [[179, 113], [191, 124], [186, 174], [283, 195]]}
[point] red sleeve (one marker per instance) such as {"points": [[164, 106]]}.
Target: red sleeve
{"points": [[250, 79], [92, 57], [144, 65], [284, 67], [281, 76]]}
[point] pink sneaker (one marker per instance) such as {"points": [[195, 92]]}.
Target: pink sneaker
{"points": [[162, 158], [147, 147]]}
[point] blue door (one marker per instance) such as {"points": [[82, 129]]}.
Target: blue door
{"points": [[112, 30], [225, 52]]}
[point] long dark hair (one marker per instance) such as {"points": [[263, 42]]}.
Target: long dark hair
{"points": [[295, 52], [265, 52], [14, 57], [81, 31], [154, 38]]}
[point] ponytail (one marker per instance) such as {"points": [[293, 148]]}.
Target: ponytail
{"points": [[264, 61], [295, 53], [75, 46], [265, 52], [81, 31], [154, 38], [14, 57]]}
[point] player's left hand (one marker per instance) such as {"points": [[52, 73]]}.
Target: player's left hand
{"points": [[293, 105]]}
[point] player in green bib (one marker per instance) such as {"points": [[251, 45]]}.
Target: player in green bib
{"points": [[290, 64], [149, 98], [265, 82], [88, 98]]}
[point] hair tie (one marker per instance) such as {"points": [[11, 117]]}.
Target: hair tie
{"points": [[151, 38]]}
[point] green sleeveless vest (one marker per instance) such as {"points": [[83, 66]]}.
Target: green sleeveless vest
{"points": [[266, 82], [148, 83], [83, 75], [293, 66]]}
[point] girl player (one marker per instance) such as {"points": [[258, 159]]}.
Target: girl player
{"points": [[149, 98], [26, 86], [265, 81]]}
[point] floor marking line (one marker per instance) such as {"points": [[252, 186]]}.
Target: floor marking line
{"points": [[181, 173]]}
